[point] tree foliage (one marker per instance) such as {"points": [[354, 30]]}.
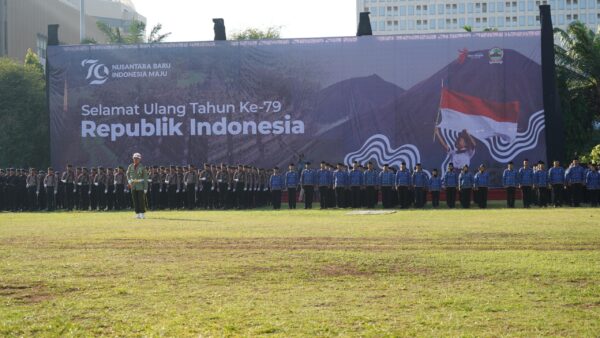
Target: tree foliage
{"points": [[24, 132], [136, 34], [257, 34], [578, 75], [593, 156]]}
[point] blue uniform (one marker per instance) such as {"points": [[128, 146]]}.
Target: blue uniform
{"points": [[356, 178], [481, 179], [592, 180], [403, 178], [340, 179], [291, 179], [525, 177], [308, 177], [509, 178], [450, 179], [387, 178], [465, 180], [370, 178], [540, 178], [575, 174], [556, 175], [420, 179], [276, 182], [435, 183], [324, 177]]}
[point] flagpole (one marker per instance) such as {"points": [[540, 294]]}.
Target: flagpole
{"points": [[437, 118], [81, 21]]}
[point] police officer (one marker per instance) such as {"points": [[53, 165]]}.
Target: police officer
{"points": [[206, 179], [239, 187], [450, 182], [93, 189], [340, 183], [120, 184], [83, 188], [32, 185], [222, 179], [68, 179], [291, 184], [525, 181], [190, 179], [41, 192], [51, 189], [387, 180], [109, 192], [155, 185], [509, 182], [101, 187], [481, 182], [11, 189], [172, 182]]}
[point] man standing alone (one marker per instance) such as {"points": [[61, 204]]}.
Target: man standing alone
{"points": [[137, 179]]}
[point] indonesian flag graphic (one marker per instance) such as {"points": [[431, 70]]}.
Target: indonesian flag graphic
{"points": [[482, 119]]}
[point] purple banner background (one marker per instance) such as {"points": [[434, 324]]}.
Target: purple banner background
{"points": [[333, 99]]}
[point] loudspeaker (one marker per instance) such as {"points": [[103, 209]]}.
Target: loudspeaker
{"points": [[364, 24], [219, 30], [53, 35]]}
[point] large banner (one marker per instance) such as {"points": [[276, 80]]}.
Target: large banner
{"points": [[466, 98]]}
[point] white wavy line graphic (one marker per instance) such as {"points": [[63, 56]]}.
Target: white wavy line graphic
{"points": [[377, 148]]}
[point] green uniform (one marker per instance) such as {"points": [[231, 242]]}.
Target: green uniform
{"points": [[138, 180], [137, 177]]}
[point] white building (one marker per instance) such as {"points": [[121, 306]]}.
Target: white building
{"points": [[420, 16], [115, 13]]}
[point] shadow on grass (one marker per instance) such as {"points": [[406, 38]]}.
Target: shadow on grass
{"points": [[181, 219]]}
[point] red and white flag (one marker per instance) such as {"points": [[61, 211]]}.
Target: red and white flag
{"points": [[481, 118]]}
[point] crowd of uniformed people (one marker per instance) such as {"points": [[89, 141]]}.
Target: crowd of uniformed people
{"points": [[339, 186]]}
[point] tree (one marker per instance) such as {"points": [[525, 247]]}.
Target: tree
{"points": [[467, 28], [33, 62], [578, 76], [593, 156], [257, 34], [24, 132], [136, 34]]}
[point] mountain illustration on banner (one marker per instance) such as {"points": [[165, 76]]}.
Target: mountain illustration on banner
{"points": [[498, 104]]}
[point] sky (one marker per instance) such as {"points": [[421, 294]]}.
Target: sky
{"points": [[191, 20]]}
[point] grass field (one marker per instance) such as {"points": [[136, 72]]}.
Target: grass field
{"points": [[301, 273]]}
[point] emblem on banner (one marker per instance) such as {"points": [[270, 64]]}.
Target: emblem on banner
{"points": [[496, 55], [97, 73]]}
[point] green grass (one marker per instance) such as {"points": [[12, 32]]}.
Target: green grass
{"points": [[302, 273]]}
